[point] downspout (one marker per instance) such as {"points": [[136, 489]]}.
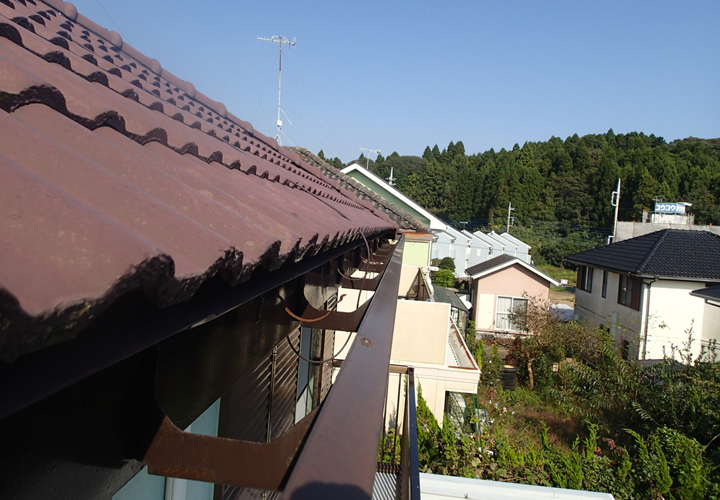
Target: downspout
{"points": [[646, 300]]}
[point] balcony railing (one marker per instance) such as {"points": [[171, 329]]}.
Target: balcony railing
{"points": [[398, 473]]}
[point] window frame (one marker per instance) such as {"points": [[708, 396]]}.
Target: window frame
{"points": [[584, 278], [511, 327], [604, 284], [629, 290]]}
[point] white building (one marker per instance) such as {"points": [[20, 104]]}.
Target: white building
{"points": [[640, 290]]}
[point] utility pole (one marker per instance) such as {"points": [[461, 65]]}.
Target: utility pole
{"points": [[279, 40], [391, 179], [376, 151], [615, 202], [510, 209]]}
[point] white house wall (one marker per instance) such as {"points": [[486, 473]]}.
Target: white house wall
{"points": [[479, 250], [441, 245], [622, 321], [509, 248], [523, 249], [497, 247], [669, 310], [711, 322], [673, 312]]}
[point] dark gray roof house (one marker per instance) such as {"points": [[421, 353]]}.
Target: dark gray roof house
{"points": [[668, 253], [640, 289]]}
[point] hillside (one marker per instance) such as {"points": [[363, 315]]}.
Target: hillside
{"points": [[560, 181]]}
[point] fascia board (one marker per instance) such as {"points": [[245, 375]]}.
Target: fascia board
{"points": [[488, 240], [435, 223], [516, 241], [502, 240], [455, 233], [472, 237], [500, 267]]}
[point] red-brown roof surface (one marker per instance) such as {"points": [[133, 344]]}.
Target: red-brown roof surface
{"points": [[117, 175]]}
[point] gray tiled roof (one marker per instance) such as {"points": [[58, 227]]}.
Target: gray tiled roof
{"points": [[448, 296], [489, 264], [712, 292], [668, 253]]}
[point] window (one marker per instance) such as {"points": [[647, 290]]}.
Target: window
{"points": [[584, 278], [629, 292], [306, 375], [604, 288], [505, 307]]}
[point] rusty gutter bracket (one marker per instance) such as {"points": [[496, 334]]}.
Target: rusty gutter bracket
{"points": [[333, 320], [176, 453], [370, 284], [339, 458]]}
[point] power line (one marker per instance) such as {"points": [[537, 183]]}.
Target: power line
{"points": [[113, 21]]}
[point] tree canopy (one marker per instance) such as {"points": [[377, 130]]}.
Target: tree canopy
{"points": [[566, 181]]}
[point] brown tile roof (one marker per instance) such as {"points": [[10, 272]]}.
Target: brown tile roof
{"points": [[117, 175], [398, 215]]}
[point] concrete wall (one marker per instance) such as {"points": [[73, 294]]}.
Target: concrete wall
{"points": [[408, 281], [420, 333], [512, 281], [627, 230]]}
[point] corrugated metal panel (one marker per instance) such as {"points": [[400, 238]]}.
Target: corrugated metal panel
{"points": [[286, 375], [120, 176], [246, 408], [438, 487]]}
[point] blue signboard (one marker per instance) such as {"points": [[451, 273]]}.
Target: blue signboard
{"points": [[669, 208]]}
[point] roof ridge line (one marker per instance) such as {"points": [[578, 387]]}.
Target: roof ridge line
{"points": [[652, 251]]}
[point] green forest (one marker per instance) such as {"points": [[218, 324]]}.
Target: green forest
{"points": [[559, 186]]}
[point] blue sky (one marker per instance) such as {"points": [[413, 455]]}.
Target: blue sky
{"points": [[398, 76]]}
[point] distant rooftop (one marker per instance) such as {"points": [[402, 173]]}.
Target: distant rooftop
{"points": [[672, 253], [396, 214]]}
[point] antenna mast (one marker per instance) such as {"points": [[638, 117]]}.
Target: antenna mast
{"points": [[279, 40], [376, 151], [615, 202]]}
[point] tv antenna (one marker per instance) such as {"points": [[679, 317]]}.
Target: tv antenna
{"points": [[279, 40], [376, 151]]}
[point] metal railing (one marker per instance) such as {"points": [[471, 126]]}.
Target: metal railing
{"points": [[398, 452], [339, 457]]}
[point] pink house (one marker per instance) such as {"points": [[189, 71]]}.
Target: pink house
{"points": [[501, 285]]}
